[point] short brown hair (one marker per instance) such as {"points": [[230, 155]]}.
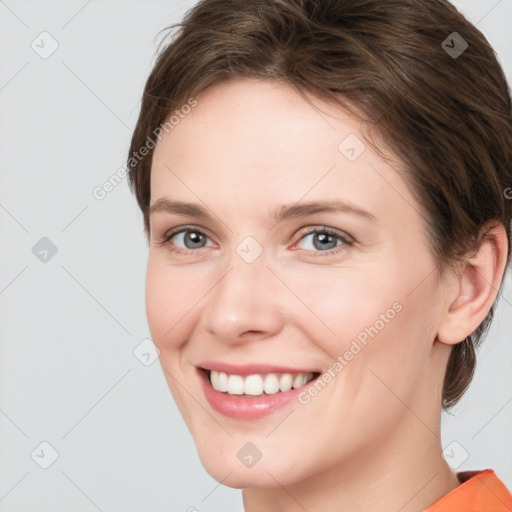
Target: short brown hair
{"points": [[447, 116]]}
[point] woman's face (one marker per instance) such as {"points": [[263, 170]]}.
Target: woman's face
{"points": [[248, 288]]}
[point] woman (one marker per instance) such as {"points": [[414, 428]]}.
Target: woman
{"points": [[324, 190]]}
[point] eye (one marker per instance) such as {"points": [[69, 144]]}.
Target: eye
{"points": [[325, 241], [186, 239]]}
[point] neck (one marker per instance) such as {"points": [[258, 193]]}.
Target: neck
{"points": [[404, 473]]}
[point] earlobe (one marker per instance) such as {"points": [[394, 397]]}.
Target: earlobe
{"points": [[472, 292]]}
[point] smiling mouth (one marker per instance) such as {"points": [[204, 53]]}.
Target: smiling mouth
{"points": [[258, 384]]}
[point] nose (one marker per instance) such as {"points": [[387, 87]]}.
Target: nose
{"points": [[246, 302]]}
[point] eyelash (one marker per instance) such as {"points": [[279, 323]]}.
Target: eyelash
{"points": [[347, 241]]}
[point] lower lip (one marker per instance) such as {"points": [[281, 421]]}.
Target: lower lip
{"points": [[243, 408]]}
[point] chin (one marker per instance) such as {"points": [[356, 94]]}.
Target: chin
{"points": [[231, 472]]}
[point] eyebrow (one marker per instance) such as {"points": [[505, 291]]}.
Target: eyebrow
{"points": [[165, 205]]}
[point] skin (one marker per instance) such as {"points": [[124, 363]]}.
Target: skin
{"points": [[370, 440]]}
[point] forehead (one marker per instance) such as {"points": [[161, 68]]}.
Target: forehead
{"points": [[255, 115], [261, 143]]}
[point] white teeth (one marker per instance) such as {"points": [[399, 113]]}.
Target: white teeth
{"points": [[271, 385], [256, 385], [223, 382], [286, 382], [253, 385], [299, 381], [214, 378], [235, 385]]}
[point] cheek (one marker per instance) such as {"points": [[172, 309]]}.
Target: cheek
{"points": [[394, 360], [170, 298], [373, 321], [340, 305]]}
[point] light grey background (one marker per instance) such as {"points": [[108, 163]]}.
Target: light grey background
{"points": [[69, 326]]}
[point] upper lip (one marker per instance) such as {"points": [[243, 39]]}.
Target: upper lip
{"points": [[250, 369]]}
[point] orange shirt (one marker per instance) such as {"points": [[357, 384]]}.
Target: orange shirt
{"points": [[479, 491]]}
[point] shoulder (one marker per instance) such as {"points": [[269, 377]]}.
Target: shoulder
{"points": [[479, 491]]}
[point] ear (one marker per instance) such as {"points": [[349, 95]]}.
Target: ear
{"points": [[471, 293]]}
